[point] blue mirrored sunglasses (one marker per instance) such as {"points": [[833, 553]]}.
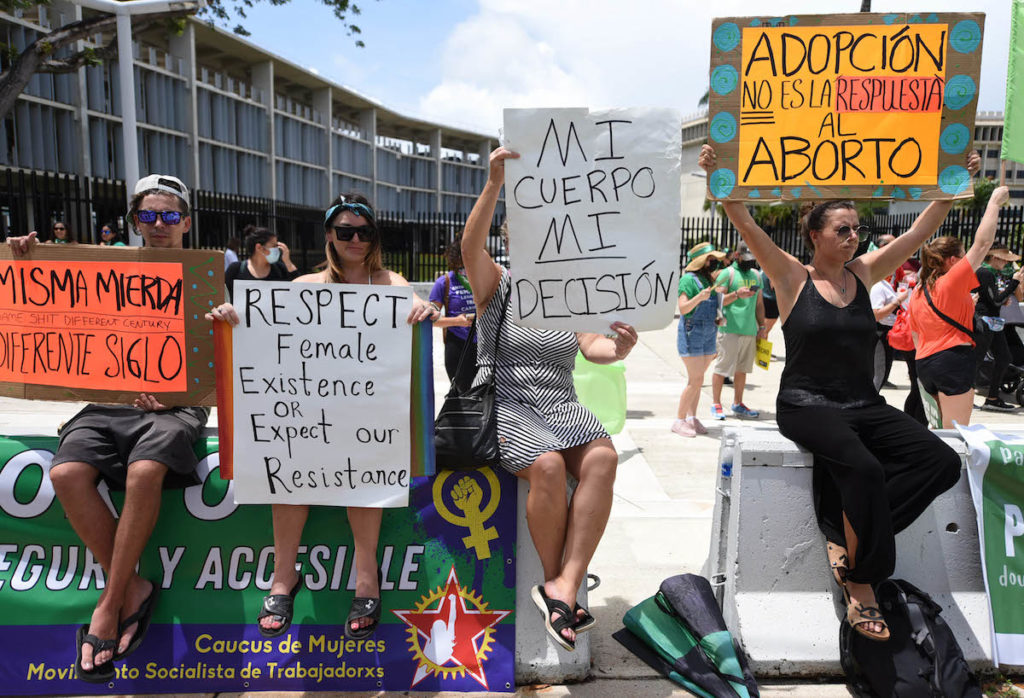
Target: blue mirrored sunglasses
{"points": [[168, 217]]}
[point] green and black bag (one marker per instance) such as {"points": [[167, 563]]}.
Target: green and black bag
{"points": [[680, 633]]}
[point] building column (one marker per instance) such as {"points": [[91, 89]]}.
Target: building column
{"points": [[263, 80], [435, 150], [323, 103], [368, 123], [184, 47]]}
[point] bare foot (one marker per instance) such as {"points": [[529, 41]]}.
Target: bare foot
{"points": [[557, 589], [368, 588], [863, 603], [103, 625], [282, 584], [138, 591]]}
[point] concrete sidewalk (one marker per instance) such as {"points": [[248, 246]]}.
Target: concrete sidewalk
{"points": [[661, 518]]}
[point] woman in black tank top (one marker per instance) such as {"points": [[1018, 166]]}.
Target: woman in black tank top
{"points": [[875, 468]]}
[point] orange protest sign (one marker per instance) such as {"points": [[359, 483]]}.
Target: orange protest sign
{"points": [[851, 106], [89, 323]]}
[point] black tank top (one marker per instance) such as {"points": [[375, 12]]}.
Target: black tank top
{"points": [[829, 352]]}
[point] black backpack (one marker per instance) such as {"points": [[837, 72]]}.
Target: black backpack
{"points": [[921, 659]]}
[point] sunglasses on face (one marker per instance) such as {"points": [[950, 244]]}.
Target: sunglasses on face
{"points": [[844, 231], [59, 227], [345, 233], [168, 217]]}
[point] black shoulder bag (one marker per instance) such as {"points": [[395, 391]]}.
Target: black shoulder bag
{"points": [[948, 319], [466, 430]]}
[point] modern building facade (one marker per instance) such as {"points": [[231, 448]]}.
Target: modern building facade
{"points": [[229, 117]]}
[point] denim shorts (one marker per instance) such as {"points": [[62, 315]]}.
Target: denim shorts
{"points": [[697, 336]]}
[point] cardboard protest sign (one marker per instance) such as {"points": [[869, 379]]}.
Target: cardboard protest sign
{"points": [[844, 106], [995, 468], [593, 211], [321, 394], [104, 324]]}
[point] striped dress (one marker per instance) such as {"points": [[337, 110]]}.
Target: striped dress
{"points": [[536, 402]]}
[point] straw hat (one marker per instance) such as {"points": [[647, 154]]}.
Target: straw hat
{"points": [[1002, 253], [698, 255]]}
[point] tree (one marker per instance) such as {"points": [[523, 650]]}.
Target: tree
{"points": [[41, 55], [983, 187]]}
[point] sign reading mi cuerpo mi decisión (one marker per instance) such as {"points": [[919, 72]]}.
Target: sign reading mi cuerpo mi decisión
{"points": [[593, 212], [104, 324], [853, 106]]}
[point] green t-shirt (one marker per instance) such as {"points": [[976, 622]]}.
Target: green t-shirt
{"points": [[741, 314], [690, 286]]}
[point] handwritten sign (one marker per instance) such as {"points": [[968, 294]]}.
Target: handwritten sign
{"points": [[87, 323], [852, 106], [593, 211], [321, 394]]}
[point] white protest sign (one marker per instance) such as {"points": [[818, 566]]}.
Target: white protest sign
{"points": [[593, 211], [321, 377]]}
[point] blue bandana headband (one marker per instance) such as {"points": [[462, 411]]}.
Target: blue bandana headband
{"points": [[358, 209]]}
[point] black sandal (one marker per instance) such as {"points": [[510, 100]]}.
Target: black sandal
{"points": [[583, 620], [563, 617], [364, 607], [143, 616], [279, 606], [100, 673]]}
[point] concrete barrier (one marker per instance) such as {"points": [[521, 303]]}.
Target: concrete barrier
{"points": [[767, 559]]}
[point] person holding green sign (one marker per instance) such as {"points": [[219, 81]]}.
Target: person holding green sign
{"points": [[875, 468]]}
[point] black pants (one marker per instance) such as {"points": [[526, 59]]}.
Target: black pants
{"points": [[995, 342], [453, 347], [914, 405], [882, 332], [878, 466]]}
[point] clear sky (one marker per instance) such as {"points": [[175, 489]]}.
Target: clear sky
{"points": [[460, 62]]}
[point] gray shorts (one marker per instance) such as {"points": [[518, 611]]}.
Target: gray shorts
{"points": [[109, 438]]}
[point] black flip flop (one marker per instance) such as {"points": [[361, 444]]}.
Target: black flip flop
{"points": [[100, 673], [364, 607], [142, 616], [281, 606], [583, 622], [563, 617]]}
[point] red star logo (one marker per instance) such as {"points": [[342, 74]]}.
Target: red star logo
{"points": [[449, 635]]}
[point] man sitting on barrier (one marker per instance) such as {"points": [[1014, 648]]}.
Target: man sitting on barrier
{"points": [[138, 448]]}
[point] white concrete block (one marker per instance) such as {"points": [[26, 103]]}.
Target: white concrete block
{"points": [[768, 560]]}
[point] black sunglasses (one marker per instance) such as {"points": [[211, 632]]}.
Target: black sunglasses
{"points": [[168, 217], [344, 233], [844, 231]]}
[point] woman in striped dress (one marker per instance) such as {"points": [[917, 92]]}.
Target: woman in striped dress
{"points": [[544, 433]]}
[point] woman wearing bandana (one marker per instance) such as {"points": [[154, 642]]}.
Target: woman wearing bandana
{"points": [[353, 248]]}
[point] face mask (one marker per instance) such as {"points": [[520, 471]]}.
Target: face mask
{"points": [[746, 265], [274, 255]]}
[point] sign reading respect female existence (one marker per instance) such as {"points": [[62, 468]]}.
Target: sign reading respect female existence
{"points": [[844, 106], [105, 323], [996, 471], [448, 591], [321, 393], [593, 207]]}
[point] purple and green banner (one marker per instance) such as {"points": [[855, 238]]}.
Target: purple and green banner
{"points": [[448, 593]]}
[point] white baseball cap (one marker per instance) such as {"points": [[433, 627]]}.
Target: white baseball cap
{"points": [[167, 183]]}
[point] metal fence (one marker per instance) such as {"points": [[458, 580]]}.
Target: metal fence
{"points": [[413, 245]]}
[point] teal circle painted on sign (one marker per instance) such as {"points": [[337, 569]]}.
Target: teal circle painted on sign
{"points": [[960, 91], [955, 138], [954, 179], [726, 37], [724, 79], [723, 127], [721, 182], [965, 36]]}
